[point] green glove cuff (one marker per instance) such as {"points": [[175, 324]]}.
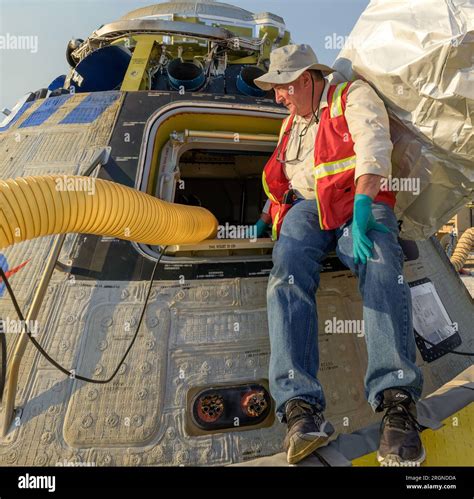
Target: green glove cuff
{"points": [[362, 200], [261, 227]]}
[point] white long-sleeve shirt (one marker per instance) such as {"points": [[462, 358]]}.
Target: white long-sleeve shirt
{"points": [[368, 124]]}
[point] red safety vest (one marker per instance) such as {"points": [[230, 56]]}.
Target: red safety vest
{"points": [[334, 168]]}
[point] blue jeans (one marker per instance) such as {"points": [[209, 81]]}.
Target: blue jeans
{"points": [[292, 314]]}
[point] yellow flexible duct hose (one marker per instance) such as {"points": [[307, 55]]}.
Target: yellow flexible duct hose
{"points": [[463, 248], [32, 207]]}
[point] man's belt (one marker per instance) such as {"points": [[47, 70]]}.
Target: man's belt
{"points": [[289, 197]]}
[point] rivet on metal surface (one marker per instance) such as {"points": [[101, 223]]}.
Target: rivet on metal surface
{"points": [[137, 420], [142, 394], [70, 319], [87, 421], [106, 322], [103, 345], [92, 394], [145, 367], [112, 420]]}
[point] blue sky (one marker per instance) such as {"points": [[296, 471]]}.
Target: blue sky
{"points": [[55, 22]]}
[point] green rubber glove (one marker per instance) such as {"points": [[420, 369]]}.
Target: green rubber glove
{"points": [[259, 228], [362, 222]]}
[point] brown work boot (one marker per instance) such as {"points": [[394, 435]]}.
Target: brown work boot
{"points": [[400, 443], [307, 430]]}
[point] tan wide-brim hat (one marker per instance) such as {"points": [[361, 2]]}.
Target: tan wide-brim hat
{"points": [[289, 62]]}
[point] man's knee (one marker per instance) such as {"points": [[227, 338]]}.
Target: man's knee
{"points": [[283, 256], [386, 246], [293, 265]]}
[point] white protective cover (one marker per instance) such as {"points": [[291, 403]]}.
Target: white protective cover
{"points": [[419, 56]]}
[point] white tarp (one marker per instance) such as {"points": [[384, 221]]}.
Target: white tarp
{"points": [[419, 56]]}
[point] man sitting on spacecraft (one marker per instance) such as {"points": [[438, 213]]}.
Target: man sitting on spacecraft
{"points": [[323, 184]]}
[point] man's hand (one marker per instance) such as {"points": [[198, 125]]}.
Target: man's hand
{"points": [[256, 230], [362, 222]]}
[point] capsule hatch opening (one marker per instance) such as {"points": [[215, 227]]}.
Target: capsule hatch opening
{"points": [[224, 177]]}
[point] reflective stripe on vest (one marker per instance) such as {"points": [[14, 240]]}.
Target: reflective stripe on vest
{"points": [[274, 227], [272, 198], [336, 105], [266, 188], [338, 166]]}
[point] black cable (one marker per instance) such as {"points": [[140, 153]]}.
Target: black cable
{"points": [[447, 350], [71, 373]]}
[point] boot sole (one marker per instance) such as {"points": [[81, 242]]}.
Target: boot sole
{"points": [[307, 450], [395, 460]]}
